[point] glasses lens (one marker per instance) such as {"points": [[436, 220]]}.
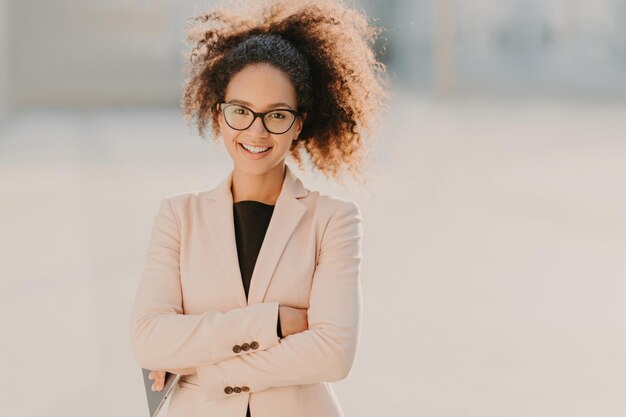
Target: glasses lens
{"points": [[238, 117], [278, 121]]}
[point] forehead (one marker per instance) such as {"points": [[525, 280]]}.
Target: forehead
{"points": [[262, 86]]}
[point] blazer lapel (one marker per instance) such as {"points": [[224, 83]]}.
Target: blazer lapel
{"points": [[287, 214], [222, 231]]}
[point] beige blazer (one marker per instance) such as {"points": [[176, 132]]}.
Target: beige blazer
{"points": [[190, 308]]}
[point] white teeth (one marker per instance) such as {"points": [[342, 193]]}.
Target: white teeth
{"points": [[253, 148]]}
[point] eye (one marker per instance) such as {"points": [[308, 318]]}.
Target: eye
{"points": [[280, 115], [240, 110]]}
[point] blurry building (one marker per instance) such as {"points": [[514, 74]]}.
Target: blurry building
{"points": [[71, 53], [563, 47], [5, 98]]}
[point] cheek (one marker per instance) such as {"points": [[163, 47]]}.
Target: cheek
{"points": [[224, 128], [230, 142], [284, 143], [228, 134]]}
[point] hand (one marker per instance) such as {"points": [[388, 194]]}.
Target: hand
{"points": [[158, 377], [293, 320], [158, 380]]}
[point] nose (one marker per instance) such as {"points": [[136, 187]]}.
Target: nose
{"points": [[258, 128]]}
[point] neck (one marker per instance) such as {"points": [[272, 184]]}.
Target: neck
{"points": [[258, 187]]}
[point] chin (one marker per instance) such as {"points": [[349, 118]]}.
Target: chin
{"points": [[255, 169]]}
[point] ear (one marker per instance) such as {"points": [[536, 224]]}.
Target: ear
{"points": [[220, 120], [301, 123]]}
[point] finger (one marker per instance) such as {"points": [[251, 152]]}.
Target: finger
{"points": [[154, 374], [161, 380], [157, 385], [158, 378]]}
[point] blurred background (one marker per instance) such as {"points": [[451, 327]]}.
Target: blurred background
{"points": [[495, 217]]}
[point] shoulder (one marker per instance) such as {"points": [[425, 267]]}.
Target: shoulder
{"points": [[329, 207], [326, 207], [185, 199], [340, 225], [182, 205]]}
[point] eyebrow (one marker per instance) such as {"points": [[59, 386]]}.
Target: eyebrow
{"points": [[250, 104]]}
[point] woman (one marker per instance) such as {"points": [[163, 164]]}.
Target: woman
{"points": [[251, 290]]}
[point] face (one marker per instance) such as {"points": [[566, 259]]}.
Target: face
{"points": [[260, 87]]}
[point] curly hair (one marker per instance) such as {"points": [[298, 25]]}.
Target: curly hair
{"points": [[325, 48]]}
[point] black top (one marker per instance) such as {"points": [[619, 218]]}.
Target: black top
{"points": [[251, 220]]}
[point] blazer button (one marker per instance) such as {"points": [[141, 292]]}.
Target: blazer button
{"points": [[237, 389], [245, 389], [245, 347], [236, 348], [228, 390], [254, 345]]}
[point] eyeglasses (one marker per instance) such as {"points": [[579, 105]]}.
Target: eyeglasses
{"points": [[276, 121]]}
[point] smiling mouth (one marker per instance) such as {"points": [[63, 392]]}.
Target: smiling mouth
{"points": [[268, 148]]}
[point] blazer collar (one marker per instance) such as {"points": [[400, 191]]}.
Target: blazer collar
{"points": [[287, 213], [292, 187]]}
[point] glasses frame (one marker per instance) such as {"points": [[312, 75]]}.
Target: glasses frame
{"points": [[222, 106]]}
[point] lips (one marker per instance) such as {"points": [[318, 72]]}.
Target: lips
{"points": [[254, 145], [253, 155]]}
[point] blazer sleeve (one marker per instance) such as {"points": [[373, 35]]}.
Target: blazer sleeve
{"points": [[162, 337], [324, 352]]}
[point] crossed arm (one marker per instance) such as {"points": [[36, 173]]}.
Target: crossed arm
{"points": [[294, 319], [165, 339]]}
